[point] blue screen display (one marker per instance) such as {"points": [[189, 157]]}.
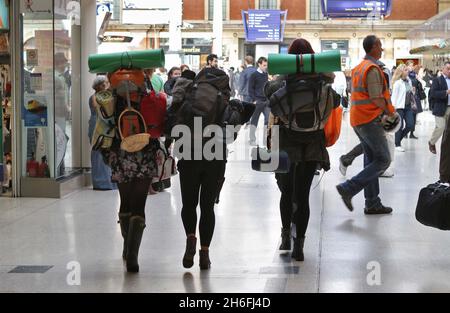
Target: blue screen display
{"points": [[356, 8], [263, 26]]}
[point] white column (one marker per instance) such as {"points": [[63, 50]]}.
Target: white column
{"points": [[173, 57], [88, 46], [217, 28]]}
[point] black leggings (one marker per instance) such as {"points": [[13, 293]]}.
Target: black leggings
{"points": [[295, 187], [133, 196], [199, 177]]}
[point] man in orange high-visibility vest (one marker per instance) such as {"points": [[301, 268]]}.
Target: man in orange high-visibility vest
{"points": [[371, 107]]}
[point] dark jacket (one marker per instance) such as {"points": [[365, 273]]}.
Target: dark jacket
{"points": [[243, 80], [256, 84], [419, 91], [439, 97]]}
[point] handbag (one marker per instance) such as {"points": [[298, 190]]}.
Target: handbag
{"points": [[264, 160], [333, 127], [433, 206]]}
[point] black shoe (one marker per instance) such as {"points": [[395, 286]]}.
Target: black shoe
{"points": [[297, 252], [136, 228], [345, 197], [379, 210], [124, 221], [205, 263], [412, 136], [191, 246], [285, 239], [317, 172]]}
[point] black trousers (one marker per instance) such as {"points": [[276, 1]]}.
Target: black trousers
{"points": [[295, 187], [133, 196], [444, 165], [199, 180]]}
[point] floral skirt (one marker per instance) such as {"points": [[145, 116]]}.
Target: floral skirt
{"points": [[127, 167]]}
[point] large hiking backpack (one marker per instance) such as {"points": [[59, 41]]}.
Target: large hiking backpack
{"points": [[153, 108], [132, 127], [207, 98], [303, 103], [105, 126]]}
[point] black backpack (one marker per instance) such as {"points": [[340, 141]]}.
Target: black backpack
{"points": [[207, 98], [303, 103]]}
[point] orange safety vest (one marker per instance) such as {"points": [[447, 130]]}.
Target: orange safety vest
{"points": [[363, 110]]}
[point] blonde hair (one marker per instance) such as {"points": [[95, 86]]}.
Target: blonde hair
{"points": [[398, 73]]}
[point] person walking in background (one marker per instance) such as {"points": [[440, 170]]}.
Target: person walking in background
{"points": [[404, 102], [371, 108], [232, 75], [172, 77], [256, 84], [440, 91], [100, 172], [245, 77], [418, 93]]}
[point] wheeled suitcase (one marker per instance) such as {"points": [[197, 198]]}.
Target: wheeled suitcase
{"points": [[433, 207]]}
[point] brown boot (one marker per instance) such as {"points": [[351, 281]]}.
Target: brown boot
{"points": [[205, 263], [191, 247]]}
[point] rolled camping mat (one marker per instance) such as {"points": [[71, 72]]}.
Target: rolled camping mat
{"points": [[324, 62], [110, 62]]}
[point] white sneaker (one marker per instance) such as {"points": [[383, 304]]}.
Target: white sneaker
{"points": [[388, 173], [342, 167], [399, 149]]}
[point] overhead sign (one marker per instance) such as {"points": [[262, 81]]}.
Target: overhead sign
{"points": [[103, 8], [355, 8], [264, 25], [115, 38]]}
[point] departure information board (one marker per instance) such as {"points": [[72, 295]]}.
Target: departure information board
{"points": [[263, 25], [355, 8]]}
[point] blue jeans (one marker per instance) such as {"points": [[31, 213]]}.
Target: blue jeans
{"points": [[376, 160], [407, 125]]}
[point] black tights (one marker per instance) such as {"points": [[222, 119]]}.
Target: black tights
{"points": [[300, 178], [199, 177], [133, 196]]}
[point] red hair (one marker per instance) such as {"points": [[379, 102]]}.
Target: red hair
{"points": [[300, 46]]}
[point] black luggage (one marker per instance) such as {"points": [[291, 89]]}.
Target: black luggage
{"points": [[433, 207]]}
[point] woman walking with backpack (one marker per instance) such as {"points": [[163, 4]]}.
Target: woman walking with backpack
{"points": [[200, 177], [306, 151], [133, 173]]}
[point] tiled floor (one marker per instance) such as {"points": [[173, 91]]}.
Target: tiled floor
{"points": [[340, 249]]}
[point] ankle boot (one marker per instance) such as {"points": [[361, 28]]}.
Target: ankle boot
{"points": [[285, 239], [136, 228], [205, 263], [124, 221], [191, 246], [297, 252]]}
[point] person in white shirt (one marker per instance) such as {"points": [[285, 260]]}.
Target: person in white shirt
{"points": [[404, 101]]}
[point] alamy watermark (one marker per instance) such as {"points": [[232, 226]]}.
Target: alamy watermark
{"points": [[210, 142], [73, 278]]}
